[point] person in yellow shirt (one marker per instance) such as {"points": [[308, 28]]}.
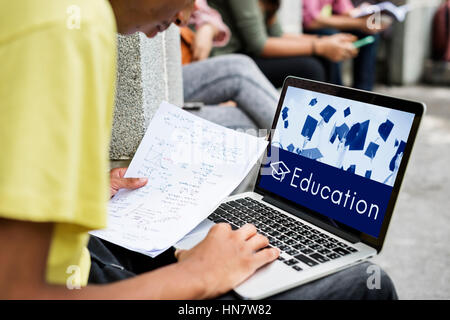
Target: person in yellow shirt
{"points": [[58, 62], [57, 82]]}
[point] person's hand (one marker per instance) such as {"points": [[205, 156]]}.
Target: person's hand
{"points": [[337, 47], [225, 258], [117, 181], [203, 42]]}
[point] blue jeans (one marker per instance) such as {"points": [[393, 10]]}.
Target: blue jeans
{"points": [[364, 64]]}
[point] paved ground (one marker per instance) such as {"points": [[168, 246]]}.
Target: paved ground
{"points": [[417, 248]]}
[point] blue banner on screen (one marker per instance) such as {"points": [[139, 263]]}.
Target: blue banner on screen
{"points": [[348, 198], [337, 156]]}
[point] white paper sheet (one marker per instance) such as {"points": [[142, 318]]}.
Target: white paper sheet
{"points": [[398, 12], [191, 165]]}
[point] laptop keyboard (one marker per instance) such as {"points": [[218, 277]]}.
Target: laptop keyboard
{"points": [[297, 241]]}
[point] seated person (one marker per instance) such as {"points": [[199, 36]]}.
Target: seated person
{"points": [[55, 126], [257, 33], [329, 17], [226, 78]]}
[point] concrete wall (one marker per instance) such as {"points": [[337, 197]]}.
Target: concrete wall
{"points": [[149, 71], [290, 16], [411, 43]]}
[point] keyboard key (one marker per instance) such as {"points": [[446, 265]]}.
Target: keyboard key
{"points": [[290, 242], [304, 233], [329, 245], [314, 237], [276, 243], [316, 246], [306, 260], [290, 262], [319, 257], [220, 212], [283, 247], [297, 237], [333, 256], [341, 251], [292, 252], [290, 233], [233, 204], [306, 251], [351, 249], [299, 246], [324, 251], [297, 268]]}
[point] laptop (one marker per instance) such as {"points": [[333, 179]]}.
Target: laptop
{"points": [[327, 185]]}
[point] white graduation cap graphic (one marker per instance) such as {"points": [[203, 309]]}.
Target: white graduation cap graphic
{"points": [[279, 170]]}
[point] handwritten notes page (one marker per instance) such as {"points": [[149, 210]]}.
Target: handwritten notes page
{"points": [[191, 165]]}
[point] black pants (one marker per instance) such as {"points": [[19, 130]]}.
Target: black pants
{"points": [[110, 263], [277, 69]]}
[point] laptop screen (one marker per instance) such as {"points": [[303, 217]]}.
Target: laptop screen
{"points": [[336, 157]]}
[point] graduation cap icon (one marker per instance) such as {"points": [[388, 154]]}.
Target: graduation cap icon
{"points": [[347, 112], [284, 113], [385, 129], [309, 127], [312, 154], [340, 132], [327, 113], [372, 150], [356, 137], [279, 170], [313, 102]]}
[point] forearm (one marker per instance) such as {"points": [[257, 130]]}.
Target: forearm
{"points": [[288, 46], [175, 281], [340, 22]]}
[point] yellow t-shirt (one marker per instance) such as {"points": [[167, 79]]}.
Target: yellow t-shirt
{"points": [[58, 65]]}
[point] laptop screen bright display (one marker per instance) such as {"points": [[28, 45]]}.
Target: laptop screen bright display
{"points": [[337, 157]]}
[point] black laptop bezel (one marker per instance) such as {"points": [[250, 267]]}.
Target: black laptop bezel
{"points": [[417, 108]]}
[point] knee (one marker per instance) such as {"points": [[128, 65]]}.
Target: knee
{"points": [[374, 283], [240, 64]]}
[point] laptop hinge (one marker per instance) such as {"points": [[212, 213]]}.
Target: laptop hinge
{"points": [[302, 215]]}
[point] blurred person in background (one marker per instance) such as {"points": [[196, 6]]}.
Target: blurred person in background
{"points": [[255, 31], [330, 17], [232, 78]]}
